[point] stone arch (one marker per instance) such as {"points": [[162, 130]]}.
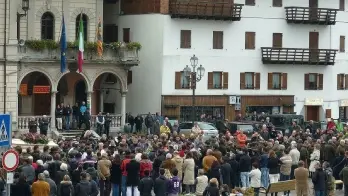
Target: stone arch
{"points": [[35, 69], [56, 13], [121, 79], [90, 15], [60, 75]]}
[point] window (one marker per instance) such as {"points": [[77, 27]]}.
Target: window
{"points": [[342, 5], [185, 39], [277, 81], [84, 19], [342, 81], [342, 43], [250, 2], [126, 35], [110, 33], [47, 26], [218, 39], [313, 81], [250, 40], [249, 80], [217, 80], [130, 77], [277, 3], [277, 40], [181, 82]]}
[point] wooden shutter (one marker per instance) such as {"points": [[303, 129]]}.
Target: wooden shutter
{"points": [[306, 81], [328, 113], [284, 81], [225, 80], [185, 39], [242, 80], [320, 81], [342, 43], [178, 80], [346, 81], [277, 40], [270, 80], [277, 3], [340, 81], [250, 40], [218, 39], [257, 81], [250, 2], [126, 35], [342, 5], [210, 80], [130, 77]]}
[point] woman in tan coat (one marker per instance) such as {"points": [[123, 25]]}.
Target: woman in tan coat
{"points": [[189, 173], [178, 163]]}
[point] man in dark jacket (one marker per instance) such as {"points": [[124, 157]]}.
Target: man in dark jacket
{"points": [[107, 124], [149, 122], [146, 184], [44, 125], [319, 180], [133, 170], [226, 172], [131, 121], [54, 166], [245, 168], [83, 188], [138, 123], [161, 184], [329, 153], [235, 175]]}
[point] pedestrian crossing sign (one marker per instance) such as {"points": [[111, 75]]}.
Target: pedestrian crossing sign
{"points": [[5, 130]]}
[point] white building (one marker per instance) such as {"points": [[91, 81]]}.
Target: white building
{"points": [[311, 87]]}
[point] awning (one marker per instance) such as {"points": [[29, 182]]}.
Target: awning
{"points": [[314, 102]]}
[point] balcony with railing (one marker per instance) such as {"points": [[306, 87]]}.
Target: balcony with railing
{"points": [[298, 56], [308, 15], [206, 10]]}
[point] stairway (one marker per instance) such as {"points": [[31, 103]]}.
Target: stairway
{"points": [[71, 134]]}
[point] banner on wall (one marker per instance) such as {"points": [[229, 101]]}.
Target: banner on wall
{"points": [[41, 89], [23, 89]]}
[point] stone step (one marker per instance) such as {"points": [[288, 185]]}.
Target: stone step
{"points": [[71, 133]]}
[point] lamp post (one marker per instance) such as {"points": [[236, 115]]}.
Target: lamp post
{"points": [[193, 76], [25, 8]]}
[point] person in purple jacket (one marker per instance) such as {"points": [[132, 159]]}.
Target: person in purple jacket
{"points": [[174, 184]]}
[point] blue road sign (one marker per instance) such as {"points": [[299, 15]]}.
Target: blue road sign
{"points": [[5, 130]]}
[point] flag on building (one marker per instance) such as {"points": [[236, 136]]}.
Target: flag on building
{"points": [[81, 46], [99, 39], [63, 46]]}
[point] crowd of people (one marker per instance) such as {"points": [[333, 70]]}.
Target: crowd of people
{"points": [[170, 164]]}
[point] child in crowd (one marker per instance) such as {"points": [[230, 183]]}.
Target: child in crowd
{"points": [[201, 182], [255, 179]]}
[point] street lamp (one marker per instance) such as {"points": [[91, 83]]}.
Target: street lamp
{"points": [[193, 76], [25, 8]]}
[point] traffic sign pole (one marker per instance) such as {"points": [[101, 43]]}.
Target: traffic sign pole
{"points": [[6, 139]]}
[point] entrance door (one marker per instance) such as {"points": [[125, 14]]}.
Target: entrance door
{"points": [[313, 46], [313, 10], [42, 102], [312, 113], [80, 92]]}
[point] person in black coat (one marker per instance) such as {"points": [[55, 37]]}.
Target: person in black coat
{"points": [[131, 121], [226, 172], [133, 177], [214, 172], [146, 184], [235, 173], [245, 168], [116, 174], [161, 184], [339, 164], [212, 189], [21, 187], [319, 180]]}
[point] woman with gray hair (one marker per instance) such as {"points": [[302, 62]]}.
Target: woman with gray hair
{"points": [[61, 173], [40, 187]]}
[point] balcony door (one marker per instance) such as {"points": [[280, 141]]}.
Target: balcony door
{"points": [[313, 10], [313, 46]]}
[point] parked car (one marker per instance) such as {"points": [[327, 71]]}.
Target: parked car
{"points": [[208, 129]]}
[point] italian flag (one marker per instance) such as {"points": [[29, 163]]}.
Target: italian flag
{"points": [[81, 46]]}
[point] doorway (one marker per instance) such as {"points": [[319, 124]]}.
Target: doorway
{"points": [[312, 113], [313, 46], [80, 92], [313, 10], [42, 101]]}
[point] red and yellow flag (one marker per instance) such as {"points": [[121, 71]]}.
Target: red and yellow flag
{"points": [[99, 39]]}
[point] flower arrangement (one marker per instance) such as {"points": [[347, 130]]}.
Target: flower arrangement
{"points": [[33, 138]]}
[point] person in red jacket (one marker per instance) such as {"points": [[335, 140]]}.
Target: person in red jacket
{"points": [[145, 165], [124, 164], [241, 139], [330, 124]]}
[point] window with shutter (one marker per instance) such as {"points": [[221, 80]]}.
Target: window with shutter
{"points": [[126, 35], [277, 40], [184, 81], [346, 81], [340, 81], [210, 80], [250, 40], [320, 81], [178, 80], [342, 5], [270, 81], [276, 80], [328, 113], [257, 81], [306, 82], [225, 80], [217, 80], [249, 80], [242, 81], [250, 2], [313, 81], [277, 3], [284, 81], [185, 39], [342, 43], [218, 39]]}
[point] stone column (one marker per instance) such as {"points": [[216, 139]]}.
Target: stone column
{"points": [[123, 108], [89, 100], [101, 103], [53, 110]]}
